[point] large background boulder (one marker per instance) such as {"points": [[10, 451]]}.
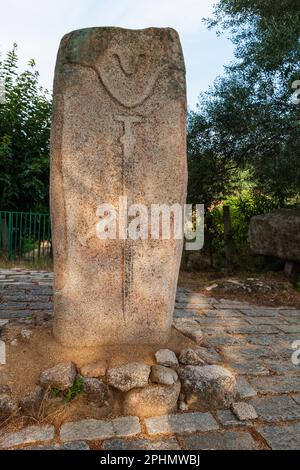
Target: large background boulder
{"points": [[276, 234]]}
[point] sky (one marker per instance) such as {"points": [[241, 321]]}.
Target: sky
{"points": [[38, 25]]}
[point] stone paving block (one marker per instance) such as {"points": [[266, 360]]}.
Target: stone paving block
{"points": [[290, 328], [141, 444], [228, 440], [252, 329], [188, 314], [283, 437], [246, 353], [94, 429], [287, 384], [126, 426], [27, 435], [297, 398], [282, 368], [248, 368], [260, 312], [86, 429], [224, 340], [78, 445], [227, 418], [15, 313], [14, 305], [181, 423], [263, 340], [235, 304], [245, 390], [243, 411], [275, 321], [211, 321], [276, 408], [223, 313]]}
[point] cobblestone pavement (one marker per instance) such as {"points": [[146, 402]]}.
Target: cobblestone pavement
{"points": [[254, 342]]}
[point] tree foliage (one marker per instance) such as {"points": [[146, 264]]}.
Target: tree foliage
{"points": [[247, 120], [24, 138]]}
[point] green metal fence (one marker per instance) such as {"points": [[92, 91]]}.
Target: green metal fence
{"points": [[25, 235]]}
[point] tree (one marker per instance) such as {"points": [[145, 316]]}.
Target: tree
{"points": [[248, 120], [24, 138]]}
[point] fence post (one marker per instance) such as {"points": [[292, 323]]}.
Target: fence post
{"points": [[228, 242], [9, 235]]}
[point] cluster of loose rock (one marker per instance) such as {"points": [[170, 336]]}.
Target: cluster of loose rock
{"points": [[189, 381]]}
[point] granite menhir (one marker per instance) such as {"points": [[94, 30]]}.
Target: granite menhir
{"points": [[118, 130]]}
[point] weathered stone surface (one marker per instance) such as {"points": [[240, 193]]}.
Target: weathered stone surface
{"points": [[26, 334], [243, 411], [96, 369], [210, 385], [86, 429], [27, 435], [128, 376], [276, 234], [2, 352], [181, 423], [228, 440], [227, 418], [126, 426], [276, 408], [141, 444], [95, 389], [163, 375], [166, 357], [60, 376], [118, 127], [77, 445], [94, 429], [286, 384], [7, 406], [297, 398], [244, 389], [283, 437], [188, 356], [191, 330], [208, 355], [32, 401], [152, 400], [249, 368]]}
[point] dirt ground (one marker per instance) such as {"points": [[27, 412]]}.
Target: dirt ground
{"points": [[27, 358], [270, 289]]}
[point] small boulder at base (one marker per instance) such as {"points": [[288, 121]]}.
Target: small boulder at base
{"points": [[208, 355], [61, 376], [32, 401], [7, 406], [96, 369], [152, 400], [95, 390], [128, 376], [189, 357], [166, 357], [244, 411], [163, 375], [212, 386]]}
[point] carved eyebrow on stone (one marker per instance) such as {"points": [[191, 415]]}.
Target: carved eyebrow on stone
{"points": [[143, 96], [135, 63]]}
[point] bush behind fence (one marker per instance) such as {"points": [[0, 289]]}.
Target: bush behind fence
{"points": [[25, 236]]}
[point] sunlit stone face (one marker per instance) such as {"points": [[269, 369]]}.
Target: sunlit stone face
{"points": [[118, 131]]}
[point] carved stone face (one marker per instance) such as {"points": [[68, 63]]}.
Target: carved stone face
{"points": [[128, 73], [128, 62]]}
